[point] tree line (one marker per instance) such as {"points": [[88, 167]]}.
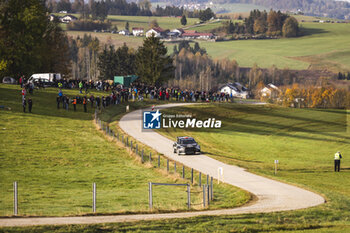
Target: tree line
{"points": [[315, 97], [100, 9], [273, 24]]}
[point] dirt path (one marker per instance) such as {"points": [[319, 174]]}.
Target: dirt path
{"points": [[272, 195]]}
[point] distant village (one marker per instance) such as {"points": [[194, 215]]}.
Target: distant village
{"points": [[158, 32]]}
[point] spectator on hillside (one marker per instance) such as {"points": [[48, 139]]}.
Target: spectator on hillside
{"points": [[24, 103], [30, 104]]}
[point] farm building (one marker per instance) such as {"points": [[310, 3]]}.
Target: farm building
{"points": [[157, 32], [68, 18], [235, 89], [270, 91], [137, 31], [124, 32]]}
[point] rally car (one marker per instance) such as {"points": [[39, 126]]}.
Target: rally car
{"points": [[186, 145]]}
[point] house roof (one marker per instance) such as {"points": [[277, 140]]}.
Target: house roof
{"points": [[157, 29], [190, 31], [235, 86]]}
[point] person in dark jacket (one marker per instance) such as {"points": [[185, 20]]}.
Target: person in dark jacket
{"points": [[30, 104]]}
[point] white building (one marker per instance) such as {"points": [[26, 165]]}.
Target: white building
{"points": [[270, 91], [124, 32], [68, 18], [235, 89], [137, 31], [157, 32]]}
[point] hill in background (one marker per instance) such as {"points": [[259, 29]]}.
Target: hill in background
{"points": [[325, 8]]}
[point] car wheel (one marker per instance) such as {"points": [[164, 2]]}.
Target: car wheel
{"points": [[178, 153], [174, 150]]}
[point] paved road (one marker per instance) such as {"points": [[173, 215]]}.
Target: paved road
{"points": [[272, 195]]}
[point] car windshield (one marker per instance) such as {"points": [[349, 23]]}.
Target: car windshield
{"points": [[188, 141]]}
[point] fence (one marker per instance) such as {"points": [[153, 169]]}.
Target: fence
{"points": [[134, 148], [193, 177]]}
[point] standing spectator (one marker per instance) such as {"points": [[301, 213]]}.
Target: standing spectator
{"points": [[81, 87], [24, 103], [75, 104], [84, 103], [58, 100], [24, 93], [21, 81], [337, 158], [67, 102], [30, 104]]}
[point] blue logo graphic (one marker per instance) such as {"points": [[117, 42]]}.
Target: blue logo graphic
{"points": [[151, 120]]}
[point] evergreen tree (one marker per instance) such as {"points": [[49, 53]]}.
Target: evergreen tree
{"points": [[206, 15], [26, 36], [183, 20], [153, 64]]}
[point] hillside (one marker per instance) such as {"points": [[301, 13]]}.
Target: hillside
{"points": [[325, 8]]}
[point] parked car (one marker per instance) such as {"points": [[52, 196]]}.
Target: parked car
{"points": [[9, 80], [186, 145]]}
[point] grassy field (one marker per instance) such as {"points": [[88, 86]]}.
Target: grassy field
{"points": [[55, 155], [303, 140], [324, 46]]}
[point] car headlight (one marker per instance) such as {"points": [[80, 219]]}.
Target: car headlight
{"points": [[198, 147]]}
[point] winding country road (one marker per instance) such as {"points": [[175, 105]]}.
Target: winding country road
{"points": [[272, 195]]}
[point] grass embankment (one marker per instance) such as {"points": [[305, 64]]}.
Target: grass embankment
{"points": [[55, 155], [303, 140]]}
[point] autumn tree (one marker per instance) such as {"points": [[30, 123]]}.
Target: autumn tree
{"points": [[153, 23], [290, 27]]}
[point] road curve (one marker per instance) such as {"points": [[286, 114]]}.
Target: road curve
{"points": [[272, 195]]}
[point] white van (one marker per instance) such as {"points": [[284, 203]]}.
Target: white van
{"points": [[45, 77]]}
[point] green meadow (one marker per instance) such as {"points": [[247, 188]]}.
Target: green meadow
{"points": [[323, 46], [56, 155], [303, 140]]}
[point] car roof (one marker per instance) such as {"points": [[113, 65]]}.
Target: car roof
{"points": [[185, 137]]}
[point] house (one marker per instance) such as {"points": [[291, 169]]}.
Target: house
{"points": [[137, 31], [156, 31], [235, 89], [52, 17], [68, 18], [124, 32], [177, 32], [270, 91]]}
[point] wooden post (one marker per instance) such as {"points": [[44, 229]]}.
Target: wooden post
{"points": [[188, 196], [191, 175], [183, 172], [200, 179], [211, 189], [158, 160], [167, 165], [204, 195]]}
